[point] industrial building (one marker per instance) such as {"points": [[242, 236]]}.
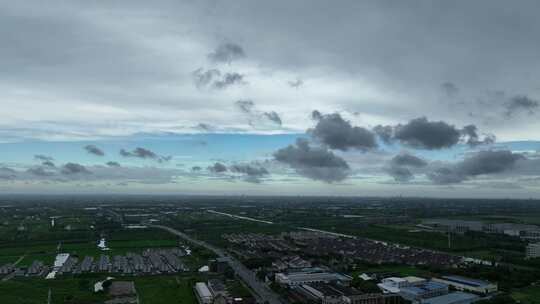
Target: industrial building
{"points": [[338, 294], [457, 297], [299, 278], [466, 284]]}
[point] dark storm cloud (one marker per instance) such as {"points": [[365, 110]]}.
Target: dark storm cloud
{"points": [[226, 53], [252, 173], [406, 159], [480, 163], [74, 168], [217, 168], [317, 163], [113, 164], [92, 149], [521, 103], [424, 134], [400, 174], [472, 138], [450, 89], [42, 157], [420, 133], [337, 133], [214, 78]]}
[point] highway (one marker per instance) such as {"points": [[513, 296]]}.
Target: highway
{"points": [[263, 293]]}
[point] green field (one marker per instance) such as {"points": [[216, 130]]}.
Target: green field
{"points": [[528, 295]]}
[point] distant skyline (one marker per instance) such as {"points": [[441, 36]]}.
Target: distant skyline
{"points": [[355, 98]]}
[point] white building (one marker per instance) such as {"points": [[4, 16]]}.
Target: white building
{"points": [[395, 284], [532, 251]]}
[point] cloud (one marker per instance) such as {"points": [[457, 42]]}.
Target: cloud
{"points": [[204, 78], [74, 168], [295, 83], [226, 53], [472, 139], [138, 152], [256, 118], [7, 173], [273, 116], [229, 79], [144, 154], [48, 163], [420, 133], [480, 163], [400, 174], [214, 78], [42, 157], [40, 171], [337, 133], [113, 164], [450, 89], [424, 134], [521, 103], [252, 174], [217, 168], [245, 106], [206, 127], [317, 163], [408, 160], [92, 149], [385, 133]]}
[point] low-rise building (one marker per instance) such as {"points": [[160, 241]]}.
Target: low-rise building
{"points": [[466, 284], [532, 251], [457, 297], [204, 296]]}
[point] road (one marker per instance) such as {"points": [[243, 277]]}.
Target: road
{"points": [[262, 291]]}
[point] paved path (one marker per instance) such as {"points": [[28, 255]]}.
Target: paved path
{"points": [[262, 292]]}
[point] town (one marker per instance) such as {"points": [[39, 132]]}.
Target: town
{"points": [[262, 251]]}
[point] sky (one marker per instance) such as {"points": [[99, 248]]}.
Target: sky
{"points": [[356, 98]]}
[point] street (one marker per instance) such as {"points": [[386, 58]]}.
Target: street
{"points": [[263, 292]]}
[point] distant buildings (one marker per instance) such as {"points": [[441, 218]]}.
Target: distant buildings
{"points": [[526, 232], [338, 294]]}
